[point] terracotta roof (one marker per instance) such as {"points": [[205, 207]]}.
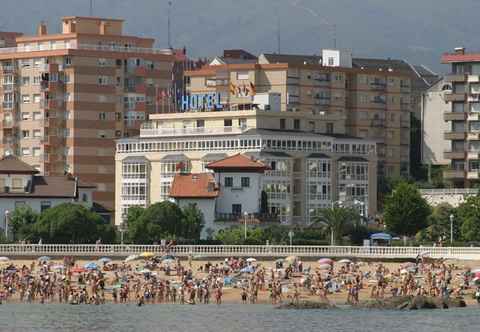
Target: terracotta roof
{"points": [[238, 162], [49, 187], [13, 165], [199, 185]]}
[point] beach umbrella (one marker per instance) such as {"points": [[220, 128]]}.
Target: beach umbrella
{"points": [[168, 261], [91, 266], [291, 259], [44, 259], [147, 254], [105, 260], [251, 260], [247, 269], [4, 259], [344, 261], [145, 271], [164, 257], [324, 266], [325, 261], [477, 274], [78, 269], [403, 271], [475, 270], [280, 260], [131, 258]]}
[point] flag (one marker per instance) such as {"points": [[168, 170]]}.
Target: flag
{"points": [[253, 91], [232, 88]]}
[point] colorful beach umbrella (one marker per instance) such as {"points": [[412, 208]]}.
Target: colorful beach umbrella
{"points": [[325, 266], [105, 260], [147, 254], [78, 269], [44, 259], [131, 258], [325, 261], [91, 266]]}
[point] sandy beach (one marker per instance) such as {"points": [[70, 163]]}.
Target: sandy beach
{"points": [[299, 285]]}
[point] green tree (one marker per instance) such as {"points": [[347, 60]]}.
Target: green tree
{"points": [[336, 220], [72, 223], [406, 212], [160, 220], [21, 222], [467, 218], [236, 235], [192, 222], [439, 224]]}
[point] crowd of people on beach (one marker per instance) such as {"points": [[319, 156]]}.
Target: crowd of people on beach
{"points": [[166, 279]]}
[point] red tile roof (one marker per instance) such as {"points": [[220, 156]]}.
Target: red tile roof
{"points": [[238, 162], [200, 185]]}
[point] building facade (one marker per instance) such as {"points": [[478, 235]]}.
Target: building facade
{"points": [[307, 169], [333, 94], [66, 97], [463, 117], [20, 185]]}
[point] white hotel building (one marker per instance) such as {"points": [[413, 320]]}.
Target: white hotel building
{"points": [[307, 169]]}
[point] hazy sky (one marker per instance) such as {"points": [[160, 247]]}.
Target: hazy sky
{"points": [[415, 30]]}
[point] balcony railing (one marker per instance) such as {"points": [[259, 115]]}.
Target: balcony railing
{"points": [[155, 132], [91, 47], [251, 218]]}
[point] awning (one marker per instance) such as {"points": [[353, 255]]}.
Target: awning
{"points": [[381, 236], [175, 157]]}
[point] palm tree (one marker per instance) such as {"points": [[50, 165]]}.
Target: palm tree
{"points": [[335, 220]]}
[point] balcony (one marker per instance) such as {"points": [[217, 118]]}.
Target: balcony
{"points": [[454, 135], [454, 97], [473, 175], [378, 86], [472, 117], [251, 218], [455, 78], [8, 105], [454, 154], [8, 69], [200, 131], [405, 89], [454, 174], [450, 116]]}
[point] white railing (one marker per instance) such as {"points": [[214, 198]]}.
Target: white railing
{"points": [[73, 45], [31, 250], [158, 132], [453, 191]]}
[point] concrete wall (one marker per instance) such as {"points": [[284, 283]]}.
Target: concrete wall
{"points": [[434, 126], [207, 206]]}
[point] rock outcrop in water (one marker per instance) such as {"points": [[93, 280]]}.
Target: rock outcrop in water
{"points": [[306, 305], [413, 303]]}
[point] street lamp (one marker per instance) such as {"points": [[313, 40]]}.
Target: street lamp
{"points": [[6, 223], [122, 227], [452, 217], [245, 215]]}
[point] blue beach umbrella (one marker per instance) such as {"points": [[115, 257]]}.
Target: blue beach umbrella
{"points": [[91, 266], [44, 259], [105, 260]]}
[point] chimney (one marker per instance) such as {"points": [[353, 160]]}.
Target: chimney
{"points": [[42, 29], [460, 50]]}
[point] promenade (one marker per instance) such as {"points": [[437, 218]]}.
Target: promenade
{"points": [[223, 251]]}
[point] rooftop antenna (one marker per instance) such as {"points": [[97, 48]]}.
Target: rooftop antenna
{"points": [[91, 8], [279, 39], [169, 25], [334, 32]]}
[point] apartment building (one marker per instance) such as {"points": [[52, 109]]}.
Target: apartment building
{"points": [[307, 170], [463, 117], [66, 97], [332, 94]]}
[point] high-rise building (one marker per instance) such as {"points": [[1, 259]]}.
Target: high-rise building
{"points": [[66, 97], [463, 117], [332, 94]]}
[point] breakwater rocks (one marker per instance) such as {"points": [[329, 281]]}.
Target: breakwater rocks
{"points": [[306, 305], [391, 303], [413, 303]]}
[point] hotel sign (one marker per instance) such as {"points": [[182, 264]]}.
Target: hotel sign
{"points": [[197, 102]]}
